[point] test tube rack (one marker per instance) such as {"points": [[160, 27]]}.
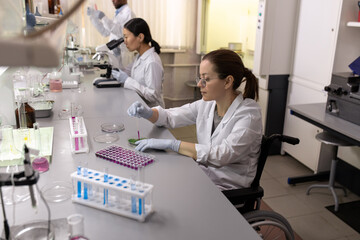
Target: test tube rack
{"points": [[78, 135], [125, 157], [114, 194]]}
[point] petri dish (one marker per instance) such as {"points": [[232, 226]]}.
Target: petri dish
{"points": [[112, 127], [34, 230], [132, 141], [21, 194], [57, 191], [106, 138]]}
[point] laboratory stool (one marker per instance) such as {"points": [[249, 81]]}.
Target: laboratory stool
{"points": [[334, 143]]}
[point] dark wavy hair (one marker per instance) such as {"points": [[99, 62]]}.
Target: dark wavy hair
{"points": [[227, 62], [137, 26]]}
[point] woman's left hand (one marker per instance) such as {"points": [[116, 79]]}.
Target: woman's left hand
{"points": [[119, 75]]}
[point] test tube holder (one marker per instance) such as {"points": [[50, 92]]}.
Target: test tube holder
{"points": [[121, 196], [78, 135]]}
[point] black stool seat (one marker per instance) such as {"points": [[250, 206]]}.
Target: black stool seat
{"points": [[331, 139], [334, 142]]}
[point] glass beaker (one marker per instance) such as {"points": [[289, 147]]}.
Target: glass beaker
{"points": [[55, 82], [76, 225], [8, 151]]}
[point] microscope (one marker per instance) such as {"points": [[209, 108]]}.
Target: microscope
{"points": [[106, 80]]}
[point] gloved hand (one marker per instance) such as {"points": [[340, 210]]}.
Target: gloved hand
{"points": [[161, 144], [119, 75], [137, 109], [90, 11], [98, 14]]}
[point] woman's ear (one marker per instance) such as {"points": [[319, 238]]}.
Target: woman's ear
{"points": [[229, 80], [141, 36]]}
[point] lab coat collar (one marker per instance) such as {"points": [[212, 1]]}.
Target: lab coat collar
{"points": [[119, 9], [145, 55], [234, 105], [229, 113]]}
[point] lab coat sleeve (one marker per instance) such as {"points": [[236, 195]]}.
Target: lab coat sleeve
{"points": [[112, 26], [99, 26], [178, 117], [153, 75], [239, 146]]}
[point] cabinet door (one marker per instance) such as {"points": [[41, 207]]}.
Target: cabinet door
{"points": [[316, 40], [308, 150]]}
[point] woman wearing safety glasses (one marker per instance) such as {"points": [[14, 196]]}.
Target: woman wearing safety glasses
{"points": [[228, 122]]}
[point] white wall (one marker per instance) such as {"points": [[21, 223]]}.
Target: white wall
{"points": [[231, 21]]}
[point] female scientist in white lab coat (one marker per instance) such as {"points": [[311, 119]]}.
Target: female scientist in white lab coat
{"points": [[228, 123], [147, 74]]}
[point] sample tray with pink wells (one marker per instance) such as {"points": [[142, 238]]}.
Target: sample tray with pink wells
{"points": [[125, 157]]}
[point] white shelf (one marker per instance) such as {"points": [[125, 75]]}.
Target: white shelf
{"points": [[353, 24]]}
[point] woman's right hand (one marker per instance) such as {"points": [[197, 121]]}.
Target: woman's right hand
{"points": [[137, 109]]}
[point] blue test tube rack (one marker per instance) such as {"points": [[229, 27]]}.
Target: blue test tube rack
{"points": [[122, 198]]}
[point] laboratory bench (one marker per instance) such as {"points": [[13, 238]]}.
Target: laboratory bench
{"points": [[187, 205]]}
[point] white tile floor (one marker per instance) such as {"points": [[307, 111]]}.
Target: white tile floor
{"points": [[306, 213]]}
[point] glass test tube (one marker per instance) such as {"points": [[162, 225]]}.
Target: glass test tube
{"points": [[79, 182], [133, 198], [140, 184], [106, 191], [85, 174], [140, 175], [76, 131]]}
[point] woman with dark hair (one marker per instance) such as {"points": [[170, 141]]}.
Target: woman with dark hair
{"points": [[146, 74], [228, 122]]}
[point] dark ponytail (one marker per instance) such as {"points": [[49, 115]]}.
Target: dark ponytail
{"points": [[226, 63], [155, 45], [252, 85], [137, 26]]}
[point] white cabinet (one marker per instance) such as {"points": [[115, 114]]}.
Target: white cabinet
{"points": [[314, 54], [316, 40]]}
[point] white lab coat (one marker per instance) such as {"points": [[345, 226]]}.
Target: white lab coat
{"points": [[114, 29], [147, 76], [228, 156]]}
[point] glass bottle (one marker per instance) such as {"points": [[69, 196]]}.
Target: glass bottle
{"points": [[51, 4], [25, 115]]}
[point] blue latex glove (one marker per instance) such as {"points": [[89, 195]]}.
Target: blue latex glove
{"points": [[137, 109], [119, 75], [90, 11], [161, 144], [99, 14]]}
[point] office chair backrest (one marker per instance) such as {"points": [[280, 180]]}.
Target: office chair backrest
{"points": [[266, 143]]}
